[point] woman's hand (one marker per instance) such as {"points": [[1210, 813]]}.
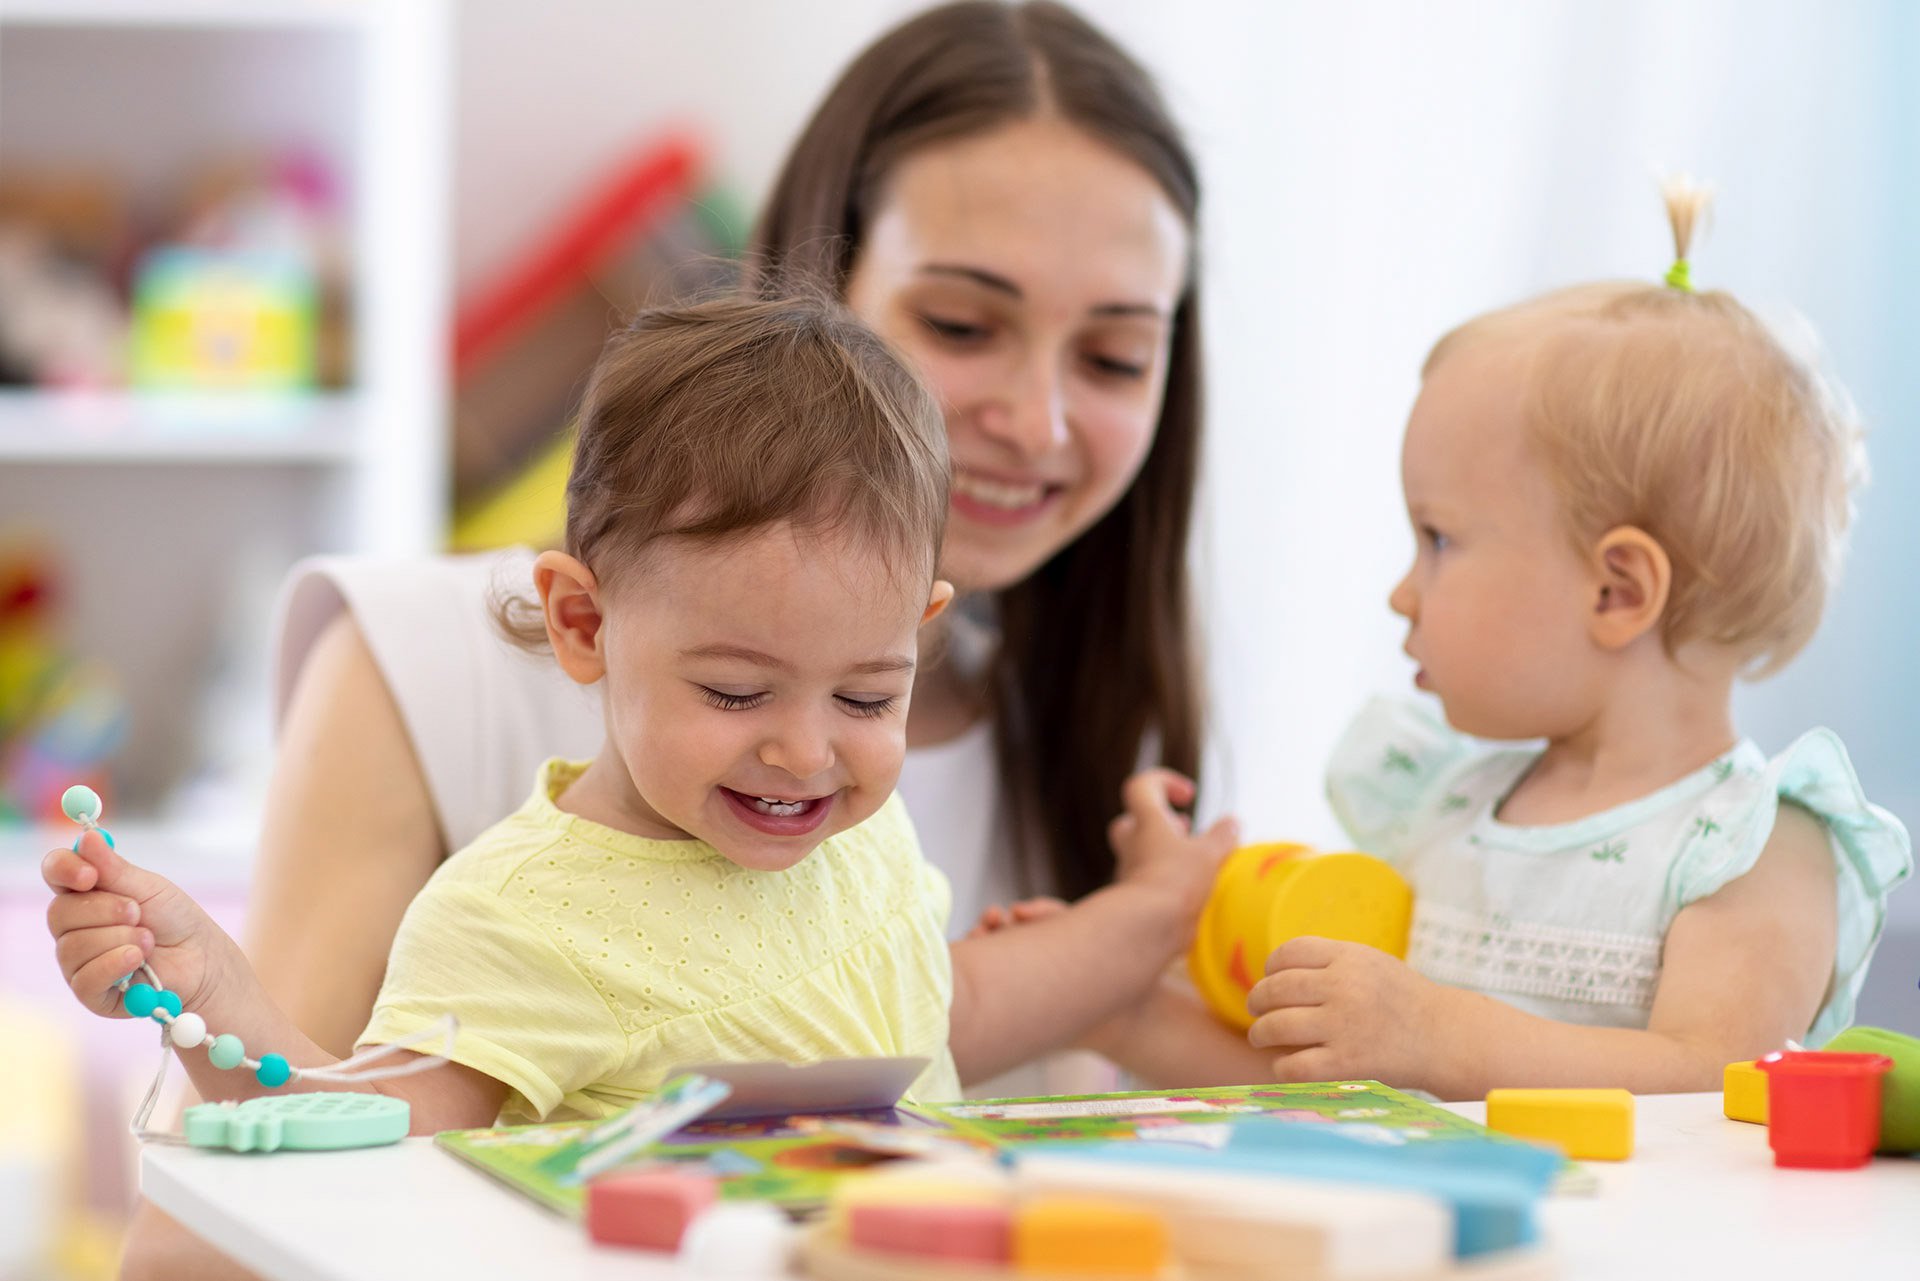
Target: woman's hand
{"points": [[109, 916], [1340, 1011], [1154, 845]]}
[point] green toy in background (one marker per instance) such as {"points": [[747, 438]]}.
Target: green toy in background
{"points": [[1899, 1089]]}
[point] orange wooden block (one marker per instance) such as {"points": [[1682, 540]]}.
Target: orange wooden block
{"points": [[1081, 1236]]}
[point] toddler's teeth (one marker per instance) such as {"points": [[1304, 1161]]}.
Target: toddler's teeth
{"points": [[783, 809]]}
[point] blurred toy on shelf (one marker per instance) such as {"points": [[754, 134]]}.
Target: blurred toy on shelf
{"points": [[60, 324], [204, 320], [61, 716], [525, 339], [233, 280]]}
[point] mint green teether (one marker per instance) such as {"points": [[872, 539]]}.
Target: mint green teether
{"points": [[316, 1122], [80, 803]]}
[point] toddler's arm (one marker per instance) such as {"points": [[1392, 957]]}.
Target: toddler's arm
{"points": [[1742, 971], [1021, 992], [109, 916]]}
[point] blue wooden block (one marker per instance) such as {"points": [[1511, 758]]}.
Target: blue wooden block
{"points": [[1493, 1186]]}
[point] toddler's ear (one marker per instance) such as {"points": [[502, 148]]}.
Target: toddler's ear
{"points": [[1633, 577], [570, 601], [937, 601]]}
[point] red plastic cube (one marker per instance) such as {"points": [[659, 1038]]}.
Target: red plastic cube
{"points": [[1823, 1109]]}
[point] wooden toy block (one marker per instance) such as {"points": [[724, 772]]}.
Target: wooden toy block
{"points": [[1089, 1236], [1588, 1125], [647, 1208], [974, 1233], [1743, 1092], [913, 1188], [1231, 1223]]}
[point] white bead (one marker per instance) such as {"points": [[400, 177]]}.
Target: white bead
{"points": [[740, 1241], [187, 1030]]}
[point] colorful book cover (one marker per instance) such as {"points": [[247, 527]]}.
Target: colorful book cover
{"points": [[794, 1162], [1199, 1117]]}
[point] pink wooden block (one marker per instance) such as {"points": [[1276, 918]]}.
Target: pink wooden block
{"points": [[978, 1233], [647, 1208]]}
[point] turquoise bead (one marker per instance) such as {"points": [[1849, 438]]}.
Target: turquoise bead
{"points": [[168, 1001], [273, 1070], [80, 803], [140, 1000], [226, 1051], [105, 835]]}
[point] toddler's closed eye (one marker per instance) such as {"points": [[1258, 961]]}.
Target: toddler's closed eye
{"points": [[868, 706]]}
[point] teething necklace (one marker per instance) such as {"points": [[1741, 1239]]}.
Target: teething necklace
{"points": [[186, 1030]]}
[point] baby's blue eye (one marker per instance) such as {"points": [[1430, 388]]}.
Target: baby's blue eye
{"points": [[1435, 539]]}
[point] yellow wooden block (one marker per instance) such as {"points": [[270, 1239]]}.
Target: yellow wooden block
{"points": [[1588, 1125], [1079, 1236], [1744, 1093], [890, 1190]]}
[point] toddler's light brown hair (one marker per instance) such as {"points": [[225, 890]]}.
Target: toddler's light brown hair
{"points": [[713, 420]]}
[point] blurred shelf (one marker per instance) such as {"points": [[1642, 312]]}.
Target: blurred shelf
{"points": [[207, 14], [132, 427], [200, 858]]}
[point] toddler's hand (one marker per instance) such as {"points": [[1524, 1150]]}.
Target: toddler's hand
{"points": [[997, 918], [1154, 845], [108, 916], [1343, 1011]]}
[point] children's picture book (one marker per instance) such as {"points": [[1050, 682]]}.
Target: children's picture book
{"points": [[1206, 1117], [791, 1162], [794, 1162]]}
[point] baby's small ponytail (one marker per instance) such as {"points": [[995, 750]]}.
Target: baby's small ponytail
{"points": [[1687, 203]]}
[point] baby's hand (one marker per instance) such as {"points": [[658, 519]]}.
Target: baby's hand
{"points": [[997, 918], [1343, 1011], [1154, 845], [108, 916]]}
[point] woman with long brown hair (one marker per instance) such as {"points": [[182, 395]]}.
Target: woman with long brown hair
{"points": [[999, 191]]}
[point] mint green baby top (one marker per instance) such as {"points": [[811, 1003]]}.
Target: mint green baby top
{"points": [[1568, 920]]}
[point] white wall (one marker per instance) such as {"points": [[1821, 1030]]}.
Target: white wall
{"points": [[1375, 172]]}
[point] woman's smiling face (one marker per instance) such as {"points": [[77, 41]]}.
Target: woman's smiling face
{"points": [[1030, 273]]}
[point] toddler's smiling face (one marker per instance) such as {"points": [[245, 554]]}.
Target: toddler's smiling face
{"points": [[756, 690]]}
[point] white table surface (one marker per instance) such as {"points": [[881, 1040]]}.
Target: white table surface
{"points": [[1700, 1198]]}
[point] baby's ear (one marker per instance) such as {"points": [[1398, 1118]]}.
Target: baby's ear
{"points": [[570, 602], [1632, 580]]}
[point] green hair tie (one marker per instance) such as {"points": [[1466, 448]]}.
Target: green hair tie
{"points": [[1679, 277]]}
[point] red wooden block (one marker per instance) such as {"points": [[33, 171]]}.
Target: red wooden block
{"points": [[978, 1233], [647, 1208]]}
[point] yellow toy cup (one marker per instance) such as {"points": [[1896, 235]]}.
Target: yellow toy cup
{"points": [[1267, 894]]}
